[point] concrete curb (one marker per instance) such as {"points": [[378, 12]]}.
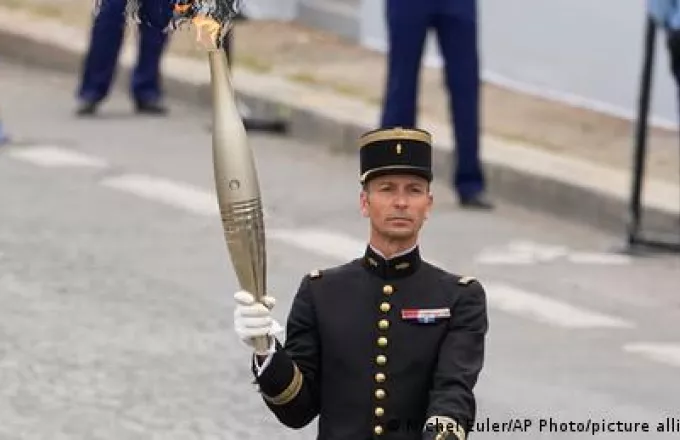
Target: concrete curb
{"points": [[572, 190]]}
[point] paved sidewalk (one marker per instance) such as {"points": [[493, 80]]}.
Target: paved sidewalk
{"points": [[576, 160], [325, 61]]}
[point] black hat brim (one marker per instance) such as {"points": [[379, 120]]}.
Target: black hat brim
{"points": [[393, 170]]}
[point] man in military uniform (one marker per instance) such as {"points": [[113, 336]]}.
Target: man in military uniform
{"points": [[384, 346]]}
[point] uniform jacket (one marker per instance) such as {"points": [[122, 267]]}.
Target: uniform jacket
{"points": [[376, 348]]}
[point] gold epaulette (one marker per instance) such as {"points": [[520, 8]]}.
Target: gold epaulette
{"points": [[464, 281]]}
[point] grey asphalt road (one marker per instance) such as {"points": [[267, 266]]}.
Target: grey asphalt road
{"points": [[116, 286]]}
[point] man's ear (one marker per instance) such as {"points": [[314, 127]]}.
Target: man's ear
{"points": [[364, 202], [430, 205]]}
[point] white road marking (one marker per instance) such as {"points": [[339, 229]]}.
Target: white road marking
{"points": [[540, 252], [599, 258], [500, 296], [54, 157], [547, 310], [521, 253], [528, 252], [667, 353], [178, 195], [505, 258], [329, 244]]}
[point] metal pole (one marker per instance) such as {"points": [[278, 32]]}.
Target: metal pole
{"points": [[640, 151], [635, 237]]}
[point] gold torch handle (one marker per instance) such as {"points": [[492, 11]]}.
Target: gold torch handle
{"points": [[237, 185]]}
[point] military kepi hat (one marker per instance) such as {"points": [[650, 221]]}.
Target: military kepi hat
{"points": [[395, 151]]}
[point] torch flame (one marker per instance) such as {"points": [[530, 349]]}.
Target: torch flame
{"points": [[182, 9], [211, 18], [207, 30]]}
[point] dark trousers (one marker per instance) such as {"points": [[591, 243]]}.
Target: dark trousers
{"points": [[407, 26], [105, 44], [673, 45]]}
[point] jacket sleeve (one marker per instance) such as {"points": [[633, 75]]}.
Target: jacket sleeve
{"points": [[452, 406], [289, 383]]}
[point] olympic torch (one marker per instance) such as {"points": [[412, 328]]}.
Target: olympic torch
{"points": [[238, 188], [236, 182]]}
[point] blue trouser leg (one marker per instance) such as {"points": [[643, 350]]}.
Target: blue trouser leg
{"points": [[457, 38], [3, 135], [146, 83], [674, 56], [406, 29], [102, 56]]}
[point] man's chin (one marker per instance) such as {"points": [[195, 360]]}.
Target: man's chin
{"points": [[400, 233]]}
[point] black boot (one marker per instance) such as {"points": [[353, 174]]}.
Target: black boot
{"points": [[150, 108]]}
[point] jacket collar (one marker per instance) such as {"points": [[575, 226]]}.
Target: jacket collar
{"points": [[398, 266]]}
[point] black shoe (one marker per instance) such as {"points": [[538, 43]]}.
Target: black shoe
{"points": [[476, 202], [87, 108], [150, 108]]}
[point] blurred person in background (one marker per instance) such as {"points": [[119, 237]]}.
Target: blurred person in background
{"points": [[666, 15], [455, 22], [4, 139], [102, 56], [3, 136]]}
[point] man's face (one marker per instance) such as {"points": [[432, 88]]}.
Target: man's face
{"points": [[397, 205]]}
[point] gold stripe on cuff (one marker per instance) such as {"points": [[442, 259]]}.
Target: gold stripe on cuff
{"points": [[450, 426], [291, 390]]}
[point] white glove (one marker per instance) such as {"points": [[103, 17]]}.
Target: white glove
{"points": [[253, 319]]}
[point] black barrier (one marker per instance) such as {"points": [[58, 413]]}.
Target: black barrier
{"points": [[636, 238], [252, 124]]}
